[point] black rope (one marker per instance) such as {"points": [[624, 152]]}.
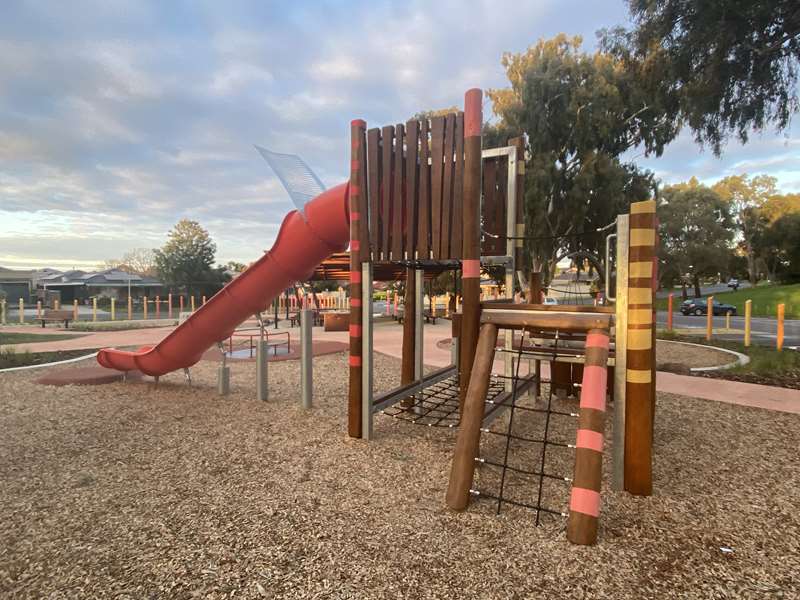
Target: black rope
{"points": [[546, 431]]}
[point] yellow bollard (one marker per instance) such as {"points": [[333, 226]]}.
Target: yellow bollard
{"points": [[192, 303], [203, 301], [709, 317], [144, 300], [74, 310], [94, 309], [39, 309], [748, 315], [728, 321], [113, 309], [781, 313], [3, 311], [21, 311], [130, 308]]}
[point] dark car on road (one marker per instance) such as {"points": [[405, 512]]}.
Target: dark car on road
{"points": [[699, 306]]}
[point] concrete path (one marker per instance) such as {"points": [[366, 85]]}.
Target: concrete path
{"points": [[388, 340]]}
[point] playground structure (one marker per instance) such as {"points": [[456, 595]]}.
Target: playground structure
{"points": [[423, 198]]}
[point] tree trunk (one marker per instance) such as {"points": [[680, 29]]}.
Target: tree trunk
{"points": [[696, 282], [751, 263], [684, 291]]}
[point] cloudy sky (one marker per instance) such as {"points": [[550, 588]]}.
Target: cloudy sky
{"points": [[120, 117]]}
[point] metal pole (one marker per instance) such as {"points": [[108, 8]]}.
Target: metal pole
{"points": [[620, 352], [223, 374], [366, 351], [418, 325], [511, 226], [748, 315], [306, 378], [262, 371]]}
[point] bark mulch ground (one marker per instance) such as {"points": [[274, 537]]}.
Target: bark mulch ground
{"points": [[126, 491]]}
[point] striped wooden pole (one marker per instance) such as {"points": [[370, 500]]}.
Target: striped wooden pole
{"points": [[640, 358], [358, 213], [471, 249], [584, 504], [781, 314], [669, 312]]}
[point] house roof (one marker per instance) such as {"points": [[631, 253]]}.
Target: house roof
{"points": [[106, 278]]}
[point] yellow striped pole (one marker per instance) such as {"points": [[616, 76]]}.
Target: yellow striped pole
{"points": [[145, 307], [75, 310], [21, 311], [709, 317], [113, 309], [781, 313], [728, 321], [748, 315], [94, 308]]}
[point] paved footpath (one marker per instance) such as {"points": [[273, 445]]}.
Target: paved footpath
{"points": [[388, 340]]}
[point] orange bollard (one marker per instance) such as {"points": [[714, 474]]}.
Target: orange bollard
{"points": [[669, 312], [781, 313], [709, 317]]}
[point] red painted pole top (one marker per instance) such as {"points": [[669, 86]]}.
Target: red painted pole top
{"points": [[473, 112]]}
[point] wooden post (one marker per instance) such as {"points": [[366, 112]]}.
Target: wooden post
{"points": [[180, 304], [56, 304], [38, 309], [781, 313], [113, 309], [169, 305], [471, 250], [74, 309], [21, 311], [130, 308], [728, 321], [2, 311], [94, 309], [519, 230], [639, 383], [469, 430], [203, 300], [748, 316], [709, 317], [669, 311], [191, 303], [358, 219], [584, 505], [144, 300], [158, 307]]}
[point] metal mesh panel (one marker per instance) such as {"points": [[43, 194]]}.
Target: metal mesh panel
{"points": [[295, 175]]}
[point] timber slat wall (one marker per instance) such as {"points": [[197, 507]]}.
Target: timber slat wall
{"points": [[415, 185]]}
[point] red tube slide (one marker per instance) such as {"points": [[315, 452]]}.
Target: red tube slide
{"points": [[303, 243]]}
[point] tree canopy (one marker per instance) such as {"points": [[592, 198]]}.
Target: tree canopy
{"points": [[187, 259], [724, 67], [581, 112]]}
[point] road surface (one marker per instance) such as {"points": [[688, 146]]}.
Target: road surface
{"points": [[763, 329]]}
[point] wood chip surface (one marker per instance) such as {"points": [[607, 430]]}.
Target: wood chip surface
{"points": [[130, 491]]}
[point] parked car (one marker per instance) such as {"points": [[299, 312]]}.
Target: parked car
{"points": [[733, 283], [699, 306], [548, 300]]}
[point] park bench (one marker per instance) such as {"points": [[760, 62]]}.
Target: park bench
{"points": [[57, 316], [430, 317]]}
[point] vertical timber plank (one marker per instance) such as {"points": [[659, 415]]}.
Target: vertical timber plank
{"points": [[447, 185], [458, 188], [437, 171], [424, 220], [412, 170], [374, 167], [387, 140], [398, 198]]}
